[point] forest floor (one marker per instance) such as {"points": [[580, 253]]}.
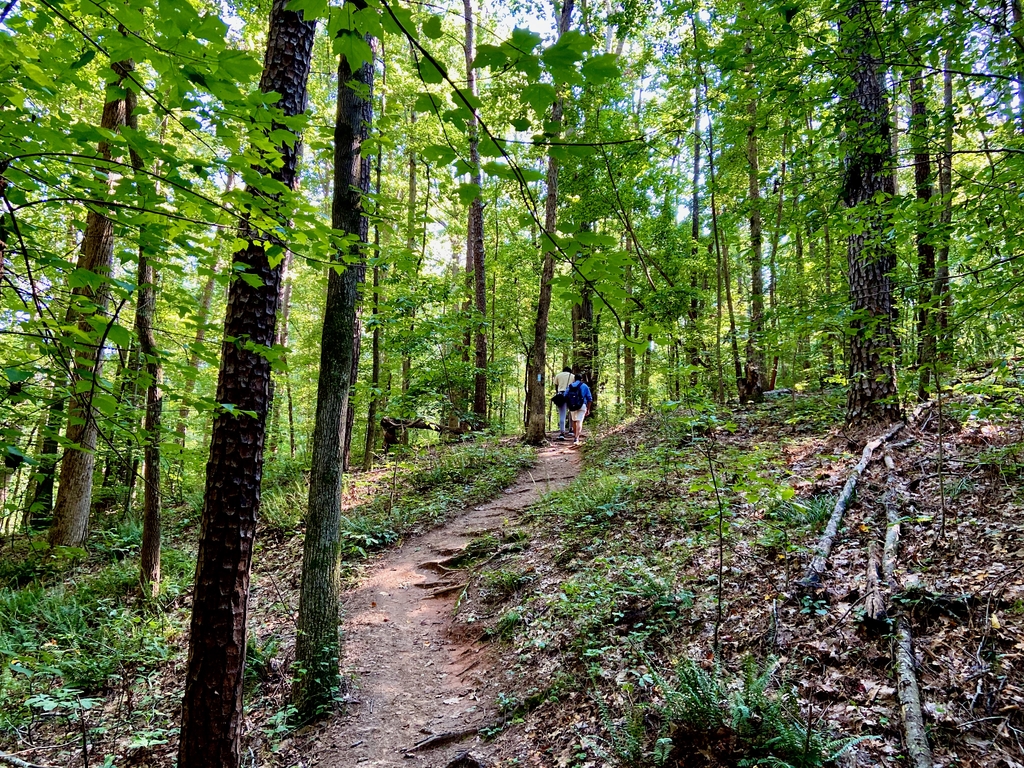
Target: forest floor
{"points": [[637, 603], [422, 683], [609, 620]]}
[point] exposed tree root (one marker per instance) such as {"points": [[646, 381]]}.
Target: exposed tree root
{"points": [[906, 676], [819, 563]]}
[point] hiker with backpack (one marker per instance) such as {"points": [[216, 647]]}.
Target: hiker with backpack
{"points": [[562, 382], [578, 400]]}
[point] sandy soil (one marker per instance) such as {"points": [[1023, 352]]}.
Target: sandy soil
{"points": [[418, 676]]}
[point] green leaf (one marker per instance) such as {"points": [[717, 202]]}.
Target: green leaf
{"points": [[119, 335], [433, 28], [354, 48], [438, 153], [430, 73], [397, 20], [428, 102], [239, 65], [15, 375], [84, 59], [524, 40], [599, 69], [468, 193], [540, 96], [489, 57], [311, 9], [521, 124]]}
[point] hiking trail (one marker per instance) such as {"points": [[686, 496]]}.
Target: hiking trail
{"points": [[417, 675]]}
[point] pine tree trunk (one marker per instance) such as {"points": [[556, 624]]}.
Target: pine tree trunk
{"points": [[211, 719], [537, 390], [317, 646], [74, 495], [867, 190]]}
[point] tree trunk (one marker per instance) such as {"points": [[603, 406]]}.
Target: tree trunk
{"points": [[317, 646], [941, 291], [925, 224], [145, 314], [476, 239], [628, 352], [211, 719], [871, 257], [754, 379], [371, 412], [411, 243], [74, 495], [537, 391], [39, 508], [281, 340], [693, 311]]}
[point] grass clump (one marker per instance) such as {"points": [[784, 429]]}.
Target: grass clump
{"points": [[707, 717]]}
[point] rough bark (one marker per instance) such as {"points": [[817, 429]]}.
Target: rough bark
{"points": [[536, 393], [317, 645], [868, 187], [475, 244], [211, 720], [70, 525]]}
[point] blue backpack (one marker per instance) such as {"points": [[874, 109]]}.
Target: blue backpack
{"points": [[574, 396]]}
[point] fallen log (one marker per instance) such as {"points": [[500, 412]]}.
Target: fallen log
{"points": [[819, 563], [907, 690], [394, 429], [17, 762], [874, 601]]}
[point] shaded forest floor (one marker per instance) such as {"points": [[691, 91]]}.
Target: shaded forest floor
{"points": [[608, 619], [598, 611]]}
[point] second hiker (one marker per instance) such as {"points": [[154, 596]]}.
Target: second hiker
{"points": [[578, 400]]}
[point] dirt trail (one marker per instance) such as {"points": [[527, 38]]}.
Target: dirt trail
{"points": [[416, 673]]}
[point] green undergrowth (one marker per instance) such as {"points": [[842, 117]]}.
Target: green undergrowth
{"points": [[75, 631], [79, 647], [620, 587]]}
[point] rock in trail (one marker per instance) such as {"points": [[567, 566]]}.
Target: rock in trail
{"points": [[417, 678]]}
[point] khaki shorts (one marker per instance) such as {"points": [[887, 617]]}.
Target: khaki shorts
{"points": [[578, 415]]}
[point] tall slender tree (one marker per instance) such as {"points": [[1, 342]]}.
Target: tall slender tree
{"points": [[475, 239], [89, 300], [211, 718], [317, 645], [536, 400]]}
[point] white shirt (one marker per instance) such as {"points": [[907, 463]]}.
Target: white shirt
{"points": [[563, 380]]}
